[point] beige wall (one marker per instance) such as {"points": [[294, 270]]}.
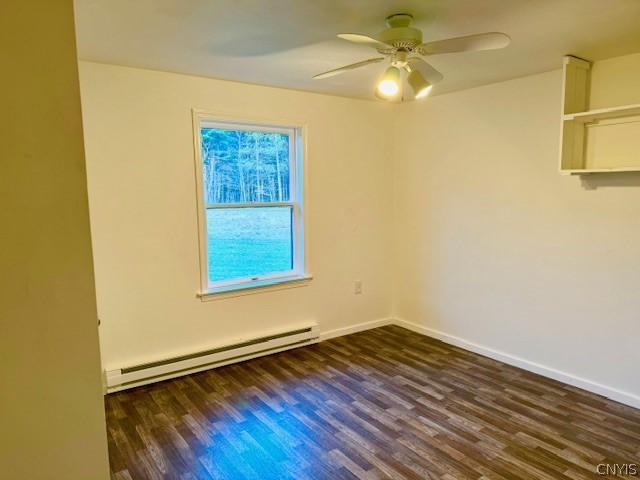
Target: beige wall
{"points": [[51, 408], [494, 247], [140, 163]]}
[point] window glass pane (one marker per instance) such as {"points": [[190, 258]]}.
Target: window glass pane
{"points": [[241, 166], [248, 242]]}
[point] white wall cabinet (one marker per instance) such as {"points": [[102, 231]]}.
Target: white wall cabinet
{"points": [[595, 141]]}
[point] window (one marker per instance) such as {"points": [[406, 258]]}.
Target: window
{"points": [[250, 203]]}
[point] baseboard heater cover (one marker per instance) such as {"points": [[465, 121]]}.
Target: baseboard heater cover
{"points": [[237, 351]]}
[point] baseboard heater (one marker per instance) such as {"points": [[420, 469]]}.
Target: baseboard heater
{"points": [[236, 351]]}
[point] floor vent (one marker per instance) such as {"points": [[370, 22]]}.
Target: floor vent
{"points": [[244, 349]]}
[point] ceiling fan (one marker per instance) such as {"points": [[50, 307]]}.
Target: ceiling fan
{"points": [[403, 44]]}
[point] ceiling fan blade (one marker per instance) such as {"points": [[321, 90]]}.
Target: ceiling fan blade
{"points": [[482, 41], [364, 40], [432, 75], [331, 73]]}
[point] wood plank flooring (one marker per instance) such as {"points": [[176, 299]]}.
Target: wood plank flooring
{"points": [[382, 404]]}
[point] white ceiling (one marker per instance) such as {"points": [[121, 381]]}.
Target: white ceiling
{"points": [[285, 42]]}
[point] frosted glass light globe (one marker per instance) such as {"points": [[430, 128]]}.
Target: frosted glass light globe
{"points": [[388, 87]]}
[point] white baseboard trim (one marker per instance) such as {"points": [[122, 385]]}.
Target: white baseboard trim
{"points": [[360, 327], [611, 393]]}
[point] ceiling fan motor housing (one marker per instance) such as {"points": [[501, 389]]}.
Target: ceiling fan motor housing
{"points": [[400, 34]]}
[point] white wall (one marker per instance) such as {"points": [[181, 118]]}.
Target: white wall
{"points": [[494, 247], [614, 82], [52, 424], [491, 244], [139, 145]]}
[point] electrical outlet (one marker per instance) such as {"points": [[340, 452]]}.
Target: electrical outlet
{"points": [[358, 286]]}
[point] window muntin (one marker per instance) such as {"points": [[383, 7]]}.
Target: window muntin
{"points": [[250, 202]]}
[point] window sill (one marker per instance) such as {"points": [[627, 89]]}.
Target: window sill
{"points": [[241, 290]]}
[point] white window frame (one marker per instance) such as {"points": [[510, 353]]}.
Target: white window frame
{"points": [[298, 275]]}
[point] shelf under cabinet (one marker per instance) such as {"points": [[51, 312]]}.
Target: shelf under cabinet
{"points": [[589, 171], [603, 113]]}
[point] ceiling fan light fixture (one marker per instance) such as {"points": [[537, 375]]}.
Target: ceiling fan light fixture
{"points": [[402, 44], [390, 82], [420, 85]]}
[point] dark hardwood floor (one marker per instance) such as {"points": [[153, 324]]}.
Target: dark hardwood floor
{"points": [[381, 404]]}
